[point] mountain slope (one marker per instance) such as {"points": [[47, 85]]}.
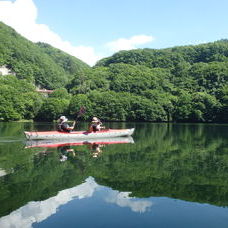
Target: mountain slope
{"points": [[186, 83], [41, 64], [167, 58]]}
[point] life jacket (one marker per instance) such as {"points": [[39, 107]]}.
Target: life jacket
{"points": [[59, 127], [96, 126], [63, 127]]}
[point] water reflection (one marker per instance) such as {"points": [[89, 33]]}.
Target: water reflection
{"points": [[65, 151], [77, 142], [36, 212], [39, 211], [2, 172], [181, 161], [65, 146], [123, 199]]}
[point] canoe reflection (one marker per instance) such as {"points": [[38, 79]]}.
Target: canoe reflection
{"points": [[59, 143]]}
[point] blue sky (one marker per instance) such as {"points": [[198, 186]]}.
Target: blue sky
{"points": [[93, 29]]}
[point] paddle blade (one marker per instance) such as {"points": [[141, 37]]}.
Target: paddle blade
{"points": [[80, 112]]}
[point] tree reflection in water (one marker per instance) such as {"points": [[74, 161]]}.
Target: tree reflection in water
{"points": [[184, 161]]}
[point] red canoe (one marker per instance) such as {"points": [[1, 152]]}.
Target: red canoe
{"points": [[108, 133]]}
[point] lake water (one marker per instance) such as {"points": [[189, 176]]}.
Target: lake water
{"points": [[166, 175]]}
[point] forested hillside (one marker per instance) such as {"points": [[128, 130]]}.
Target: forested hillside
{"points": [[188, 83], [183, 84], [40, 64]]}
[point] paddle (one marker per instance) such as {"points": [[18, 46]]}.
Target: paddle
{"points": [[79, 114]]}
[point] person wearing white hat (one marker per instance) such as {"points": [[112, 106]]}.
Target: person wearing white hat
{"points": [[63, 125], [96, 125]]}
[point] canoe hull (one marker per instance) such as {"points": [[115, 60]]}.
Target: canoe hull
{"points": [[110, 133]]}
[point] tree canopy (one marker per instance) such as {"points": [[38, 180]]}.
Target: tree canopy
{"points": [[185, 84], [40, 64]]}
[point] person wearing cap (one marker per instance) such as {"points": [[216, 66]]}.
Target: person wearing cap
{"points": [[63, 125], [96, 125]]}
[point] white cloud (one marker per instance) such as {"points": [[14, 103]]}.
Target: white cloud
{"points": [[122, 199], [128, 44], [22, 15], [35, 212]]}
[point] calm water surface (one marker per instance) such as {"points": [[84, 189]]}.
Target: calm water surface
{"points": [[166, 175]]}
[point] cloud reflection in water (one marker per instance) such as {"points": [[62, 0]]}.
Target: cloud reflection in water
{"points": [[35, 212], [39, 211], [122, 199]]}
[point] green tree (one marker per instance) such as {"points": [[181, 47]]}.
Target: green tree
{"points": [[60, 93], [52, 109]]}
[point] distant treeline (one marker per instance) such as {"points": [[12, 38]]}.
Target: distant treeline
{"points": [[185, 84]]}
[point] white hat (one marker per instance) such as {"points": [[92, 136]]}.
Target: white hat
{"points": [[95, 119], [63, 118]]}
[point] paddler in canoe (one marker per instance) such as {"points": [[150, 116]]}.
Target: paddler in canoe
{"points": [[63, 125], [96, 125]]}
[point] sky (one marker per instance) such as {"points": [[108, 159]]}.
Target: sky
{"points": [[94, 29]]}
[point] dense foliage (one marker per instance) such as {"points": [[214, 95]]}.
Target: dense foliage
{"points": [[41, 64], [18, 99], [167, 85], [185, 84]]}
